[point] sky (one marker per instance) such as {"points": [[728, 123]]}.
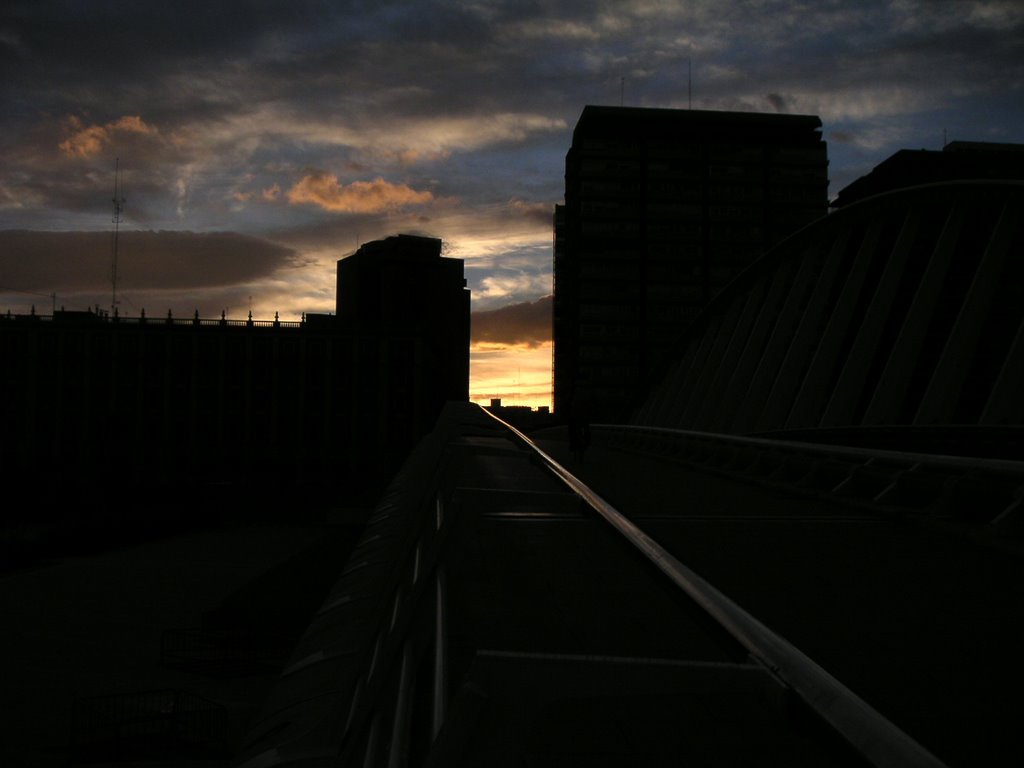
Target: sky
{"points": [[258, 142]]}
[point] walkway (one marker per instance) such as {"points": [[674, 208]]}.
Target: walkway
{"points": [[920, 622]]}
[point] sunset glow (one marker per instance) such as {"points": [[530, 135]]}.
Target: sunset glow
{"points": [[518, 375], [309, 130]]}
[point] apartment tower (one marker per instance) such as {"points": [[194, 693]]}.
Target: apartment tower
{"points": [[663, 207]]}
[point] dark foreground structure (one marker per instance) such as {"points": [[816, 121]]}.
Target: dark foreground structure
{"points": [[95, 406], [678, 598], [804, 549], [902, 309]]}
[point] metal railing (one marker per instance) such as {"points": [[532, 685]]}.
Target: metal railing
{"points": [[868, 732], [369, 684], [143, 319], [345, 693], [222, 652], [974, 489], [148, 724]]}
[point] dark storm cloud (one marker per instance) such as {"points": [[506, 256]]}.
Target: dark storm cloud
{"points": [[527, 323], [81, 261], [129, 41], [109, 51]]}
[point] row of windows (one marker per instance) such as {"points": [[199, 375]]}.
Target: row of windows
{"points": [[798, 187], [670, 272], [693, 151], [608, 353], [798, 173], [735, 213], [610, 332], [799, 156], [606, 373]]}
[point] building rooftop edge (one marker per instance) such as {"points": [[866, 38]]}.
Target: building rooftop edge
{"points": [[705, 115]]}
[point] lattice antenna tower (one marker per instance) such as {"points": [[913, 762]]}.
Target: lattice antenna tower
{"points": [[118, 207]]}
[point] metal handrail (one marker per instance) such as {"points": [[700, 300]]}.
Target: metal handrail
{"points": [[867, 731], [154, 320], [845, 452]]}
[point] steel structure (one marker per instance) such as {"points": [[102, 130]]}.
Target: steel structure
{"points": [[904, 308]]}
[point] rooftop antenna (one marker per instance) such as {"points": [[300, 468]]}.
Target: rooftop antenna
{"points": [[118, 207], [689, 84]]}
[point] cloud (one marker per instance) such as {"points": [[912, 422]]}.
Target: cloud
{"points": [[325, 191], [528, 323], [541, 214], [68, 262], [503, 286], [518, 375], [473, 101], [88, 140]]}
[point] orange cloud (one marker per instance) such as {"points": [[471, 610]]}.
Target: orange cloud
{"points": [[86, 141], [271, 193], [323, 189]]}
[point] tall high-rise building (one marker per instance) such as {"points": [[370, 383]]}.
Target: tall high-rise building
{"points": [[402, 285], [662, 208]]}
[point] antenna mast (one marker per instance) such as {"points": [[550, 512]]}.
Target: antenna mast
{"points": [[689, 84], [118, 207]]}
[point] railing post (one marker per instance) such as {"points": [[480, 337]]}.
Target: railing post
{"points": [[403, 704], [370, 755], [440, 657]]}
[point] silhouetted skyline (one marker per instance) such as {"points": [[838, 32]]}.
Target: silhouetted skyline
{"points": [[295, 135], [150, 404], [489, 579]]}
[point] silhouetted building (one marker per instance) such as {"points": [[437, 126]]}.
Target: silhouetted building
{"points": [[522, 417], [402, 285], [662, 209], [88, 399], [957, 161]]}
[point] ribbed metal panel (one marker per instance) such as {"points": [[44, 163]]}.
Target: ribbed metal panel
{"points": [[904, 308]]}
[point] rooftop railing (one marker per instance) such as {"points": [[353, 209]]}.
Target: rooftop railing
{"points": [[143, 319], [387, 617], [873, 736]]}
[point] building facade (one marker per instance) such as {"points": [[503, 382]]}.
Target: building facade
{"points": [[662, 209], [401, 285], [90, 401]]}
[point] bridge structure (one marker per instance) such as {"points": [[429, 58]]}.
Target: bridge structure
{"points": [[805, 550]]}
